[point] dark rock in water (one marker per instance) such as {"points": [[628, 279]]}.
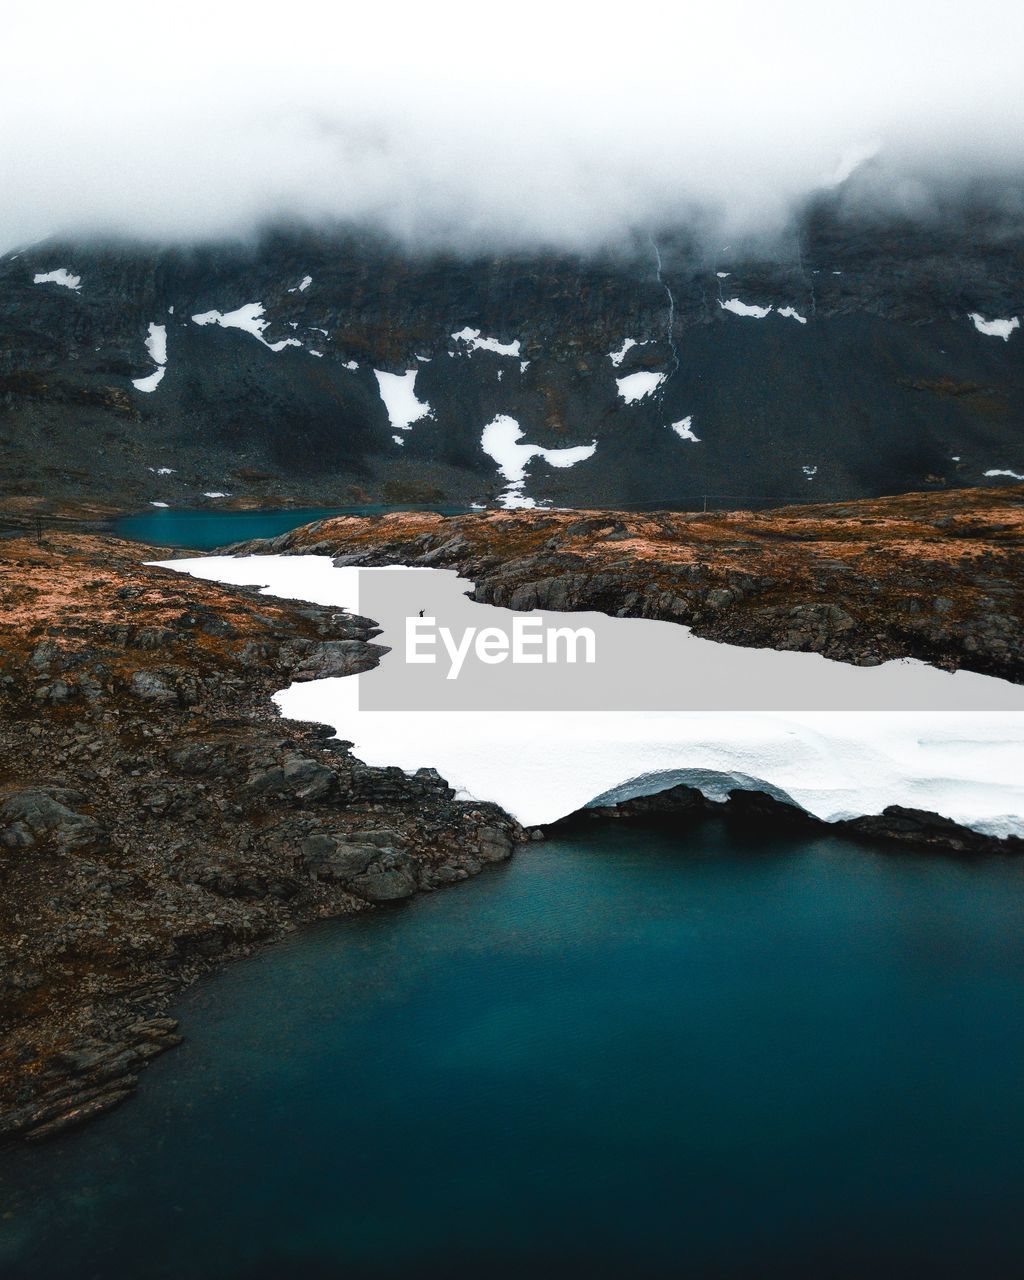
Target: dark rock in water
{"points": [[914, 828], [921, 829]]}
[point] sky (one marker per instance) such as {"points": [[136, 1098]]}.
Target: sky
{"points": [[500, 124]]}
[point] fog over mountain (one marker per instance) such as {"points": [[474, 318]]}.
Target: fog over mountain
{"points": [[488, 126]]}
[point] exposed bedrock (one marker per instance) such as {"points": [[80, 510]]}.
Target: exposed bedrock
{"points": [[939, 577]]}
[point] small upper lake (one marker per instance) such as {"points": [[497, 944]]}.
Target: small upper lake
{"points": [[204, 530], [627, 1053]]}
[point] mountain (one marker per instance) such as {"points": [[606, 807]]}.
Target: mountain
{"points": [[863, 354]]}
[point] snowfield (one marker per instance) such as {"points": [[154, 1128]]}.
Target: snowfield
{"points": [[965, 764]]}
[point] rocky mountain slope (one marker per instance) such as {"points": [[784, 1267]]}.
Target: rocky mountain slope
{"points": [[938, 577], [864, 354]]}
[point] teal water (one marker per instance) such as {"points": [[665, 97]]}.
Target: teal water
{"points": [[206, 530], [624, 1054]]}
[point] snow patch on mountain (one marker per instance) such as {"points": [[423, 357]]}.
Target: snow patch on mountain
{"points": [[684, 429], [156, 345], [303, 285], [995, 328], [739, 308], [60, 276], [500, 441], [473, 340], [398, 391], [617, 357], [250, 319], [791, 313], [1012, 474], [635, 386]]}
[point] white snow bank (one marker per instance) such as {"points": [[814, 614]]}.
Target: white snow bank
{"points": [[1013, 474], [60, 276], [739, 308], [684, 429], [809, 471], [303, 285], [216, 493], [158, 504], [723, 275], [351, 364], [161, 471], [472, 339], [398, 391], [791, 313], [540, 765], [156, 345], [250, 319], [500, 441], [634, 386], [995, 328]]}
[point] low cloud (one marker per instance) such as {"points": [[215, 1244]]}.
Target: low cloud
{"points": [[568, 125]]}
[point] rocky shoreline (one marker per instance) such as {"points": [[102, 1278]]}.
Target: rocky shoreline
{"points": [[938, 577], [158, 817]]}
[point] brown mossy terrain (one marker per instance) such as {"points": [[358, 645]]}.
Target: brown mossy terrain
{"points": [[158, 817], [935, 576]]}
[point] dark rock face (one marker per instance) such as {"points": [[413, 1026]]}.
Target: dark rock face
{"points": [[888, 386]]}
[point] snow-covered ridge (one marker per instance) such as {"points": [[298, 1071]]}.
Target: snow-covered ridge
{"points": [[61, 276], [750, 309], [541, 765], [1011, 474], [250, 319], [500, 441], [398, 391], [473, 340], [995, 328]]}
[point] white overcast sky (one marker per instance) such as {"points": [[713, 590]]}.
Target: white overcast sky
{"points": [[520, 121]]}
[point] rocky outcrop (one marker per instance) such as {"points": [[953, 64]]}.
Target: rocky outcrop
{"points": [[939, 577], [157, 817], [897, 826]]}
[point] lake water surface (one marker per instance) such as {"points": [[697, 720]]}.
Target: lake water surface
{"points": [[204, 529], [627, 1053]]}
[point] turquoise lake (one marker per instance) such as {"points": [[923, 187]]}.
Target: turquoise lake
{"points": [[626, 1053], [204, 529]]}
